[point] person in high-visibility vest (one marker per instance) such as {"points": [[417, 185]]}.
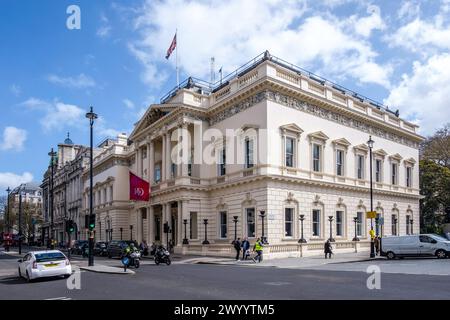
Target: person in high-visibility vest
{"points": [[258, 248], [372, 233]]}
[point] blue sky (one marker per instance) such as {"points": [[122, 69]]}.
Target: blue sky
{"points": [[396, 52]]}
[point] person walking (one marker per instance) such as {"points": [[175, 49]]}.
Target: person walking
{"points": [[258, 248], [328, 249], [237, 247], [377, 245], [245, 248]]}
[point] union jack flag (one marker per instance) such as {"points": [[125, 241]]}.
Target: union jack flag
{"points": [[172, 47]]}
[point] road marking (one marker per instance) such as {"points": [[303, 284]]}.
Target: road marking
{"points": [[59, 298]]}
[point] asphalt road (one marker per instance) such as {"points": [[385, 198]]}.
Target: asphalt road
{"points": [[192, 282]]}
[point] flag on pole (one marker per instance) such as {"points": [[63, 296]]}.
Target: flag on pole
{"points": [[172, 47], [139, 188]]}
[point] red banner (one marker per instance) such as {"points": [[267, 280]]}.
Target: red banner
{"points": [[139, 188]]}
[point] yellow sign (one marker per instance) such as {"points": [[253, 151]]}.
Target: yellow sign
{"points": [[371, 214]]}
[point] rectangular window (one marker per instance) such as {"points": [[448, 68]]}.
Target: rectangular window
{"points": [[250, 215], [359, 224], [248, 153], [339, 162], [339, 223], [316, 223], [316, 157], [173, 170], [290, 152], [288, 222], [394, 174], [360, 167], [221, 165], [378, 170], [158, 173], [193, 232], [223, 224], [408, 177], [394, 224], [111, 193], [408, 223]]}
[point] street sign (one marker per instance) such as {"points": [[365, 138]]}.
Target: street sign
{"points": [[371, 214]]}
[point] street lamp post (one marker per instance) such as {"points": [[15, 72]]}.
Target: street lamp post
{"points": [[302, 239], [52, 155], [7, 212], [205, 222], [185, 240], [20, 219], [262, 214], [235, 220], [372, 242], [330, 218], [355, 220], [91, 116]]}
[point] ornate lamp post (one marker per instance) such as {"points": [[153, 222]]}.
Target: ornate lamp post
{"points": [[235, 220], [372, 242], [7, 212], [262, 214], [302, 239], [355, 220], [52, 155], [330, 218], [205, 222], [20, 217], [185, 240], [91, 116]]}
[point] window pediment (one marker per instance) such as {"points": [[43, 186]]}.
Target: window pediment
{"points": [[380, 152], [292, 127], [396, 157], [341, 142], [319, 135], [361, 148], [410, 161]]}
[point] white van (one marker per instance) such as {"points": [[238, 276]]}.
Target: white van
{"points": [[415, 245]]}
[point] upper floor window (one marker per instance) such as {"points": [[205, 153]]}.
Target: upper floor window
{"points": [[394, 173], [158, 173], [249, 153], [290, 148], [317, 154], [339, 162], [221, 167], [378, 170], [409, 177], [360, 166]]}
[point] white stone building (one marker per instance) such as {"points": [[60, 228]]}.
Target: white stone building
{"points": [[298, 148]]}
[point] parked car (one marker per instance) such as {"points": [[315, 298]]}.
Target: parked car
{"points": [[77, 247], [101, 248], [116, 247], [39, 264], [415, 245]]}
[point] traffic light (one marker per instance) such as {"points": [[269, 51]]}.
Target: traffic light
{"points": [[70, 226], [91, 222], [166, 227]]}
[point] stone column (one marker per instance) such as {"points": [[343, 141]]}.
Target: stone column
{"points": [[138, 162], [150, 225], [179, 224], [168, 156], [151, 162], [138, 225], [186, 152], [163, 162]]}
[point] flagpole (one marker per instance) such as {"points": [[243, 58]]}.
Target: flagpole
{"points": [[176, 58]]}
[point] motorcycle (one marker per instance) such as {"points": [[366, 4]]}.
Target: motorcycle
{"points": [[162, 256], [132, 259]]}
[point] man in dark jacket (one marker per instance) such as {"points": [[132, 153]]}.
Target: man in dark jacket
{"points": [[245, 247], [328, 249], [237, 247]]}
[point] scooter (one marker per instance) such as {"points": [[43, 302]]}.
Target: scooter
{"points": [[162, 256]]}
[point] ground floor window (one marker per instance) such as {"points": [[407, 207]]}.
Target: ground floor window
{"points": [[223, 224], [359, 224], [193, 232], [250, 217], [288, 222], [316, 222], [339, 223], [408, 224], [394, 224]]}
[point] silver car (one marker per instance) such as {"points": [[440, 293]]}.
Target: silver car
{"points": [[415, 245]]}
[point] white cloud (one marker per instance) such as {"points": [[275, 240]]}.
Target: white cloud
{"points": [[37, 104], [12, 180], [423, 96], [13, 139], [15, 90], [409, 10], [78, 82], [235, 31], [63, 115], [128, 103], [104, 30]]}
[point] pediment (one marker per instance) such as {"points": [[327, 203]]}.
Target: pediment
{"points": [[396, 157], [361, 147], [380, 152], [152, 115], [292, 127], [319, 135], [341, 142], [410, 161]]}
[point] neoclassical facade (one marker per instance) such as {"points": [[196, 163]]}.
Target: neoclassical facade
{"points": [[283, 142]]}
